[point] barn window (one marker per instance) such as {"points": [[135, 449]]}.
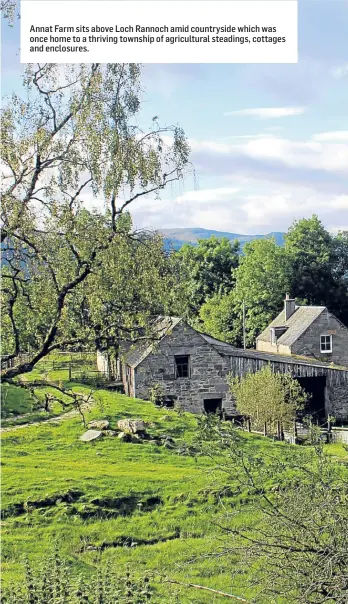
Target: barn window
{"points": [[182, 366], [326, 343]]}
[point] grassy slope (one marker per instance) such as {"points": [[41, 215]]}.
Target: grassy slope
{"points": [[41, 465], [145, 505], [19, 407]]}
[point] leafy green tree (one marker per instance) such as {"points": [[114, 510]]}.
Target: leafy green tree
{"points": [[219, 317], [76, 136], [340, 274], [319, 265], [261, 283], [210, 267], [267, 398]]}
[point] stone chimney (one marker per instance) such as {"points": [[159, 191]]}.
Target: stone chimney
{"points": [[289, 306]]}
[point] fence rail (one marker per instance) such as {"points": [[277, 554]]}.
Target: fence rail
{"points": [[8, 363], [94, 378]]}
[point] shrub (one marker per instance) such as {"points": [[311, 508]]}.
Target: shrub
{"points": [[268, 398]]}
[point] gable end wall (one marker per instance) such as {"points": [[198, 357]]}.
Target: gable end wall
{"points": [[208, 371], [308, 344]]}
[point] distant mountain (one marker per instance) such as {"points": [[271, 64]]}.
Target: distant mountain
{"points": [[175, 238]]}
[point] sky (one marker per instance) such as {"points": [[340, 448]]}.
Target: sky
{"points": [[269, 143]]}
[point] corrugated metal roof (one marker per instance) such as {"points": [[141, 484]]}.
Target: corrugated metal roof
{"points": [[297, 324], [160, 327], [282, 358]]}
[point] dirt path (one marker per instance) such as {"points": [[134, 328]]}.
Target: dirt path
{"points": [[58, 418]]}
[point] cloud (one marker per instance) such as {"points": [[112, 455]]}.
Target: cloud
{"points": [[340, 72], [273, 128], [319, 165], [249, 136], [265, 184], [207, 195], [246, 212], [338, 135], [269, 112]]}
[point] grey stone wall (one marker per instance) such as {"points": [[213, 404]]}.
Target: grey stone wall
{"points": [[209, 370], [309, 343]]}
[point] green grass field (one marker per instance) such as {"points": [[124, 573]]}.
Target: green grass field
{"points": [[18, 406], [138, 504]]}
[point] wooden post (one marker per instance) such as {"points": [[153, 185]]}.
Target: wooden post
{"points": [[265, 429], [281, 432], [70, 372], [248, 424]]}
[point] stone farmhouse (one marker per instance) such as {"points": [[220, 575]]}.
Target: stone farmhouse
{"points": [[310, 331], [191, 369]]}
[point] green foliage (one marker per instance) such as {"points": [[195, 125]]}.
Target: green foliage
{"points": [[220, 318], [261, 282], [319, 265], [268, 398], [157, 394], [15, 401], [8, 10], [72, 275], [144, 506], [209, 268], [312, 265]]}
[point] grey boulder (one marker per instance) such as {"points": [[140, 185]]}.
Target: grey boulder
{"points": [[91, 435], [101, 424]]}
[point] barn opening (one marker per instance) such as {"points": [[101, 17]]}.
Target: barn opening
{"points": [[169, 401], [315, 387], [212, 405]]}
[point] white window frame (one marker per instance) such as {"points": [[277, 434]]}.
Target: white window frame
{"points": [[273, 337], [323, 345]]}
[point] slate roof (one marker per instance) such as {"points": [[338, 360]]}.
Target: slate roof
{"points": [[221, 347], [162, 326], [297, 324], [139, 352]]}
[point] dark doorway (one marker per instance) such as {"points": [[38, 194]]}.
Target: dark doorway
{"points": [[213, 405], [169, 401], [315, 386]]}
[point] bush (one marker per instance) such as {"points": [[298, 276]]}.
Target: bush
{"points": [[268, 398]]}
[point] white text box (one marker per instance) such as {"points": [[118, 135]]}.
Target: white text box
{"points": [[153, 31]]}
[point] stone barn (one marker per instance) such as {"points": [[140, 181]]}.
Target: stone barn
{"points": [[191, 369]]}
